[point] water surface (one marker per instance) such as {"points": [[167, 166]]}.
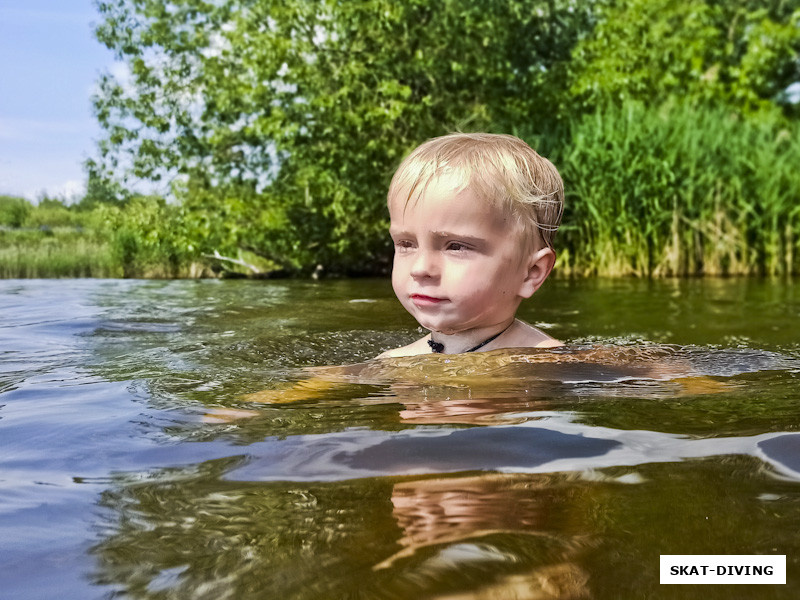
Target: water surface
{"points": [[181, 440]]}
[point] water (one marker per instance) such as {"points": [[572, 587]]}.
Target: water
{"points": [[183, 440]]}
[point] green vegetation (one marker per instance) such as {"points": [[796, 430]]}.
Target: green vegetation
{"points": [[138, 238], [680, 191], [279, 124], [286, 119], [54, 253], [738, 53], [13, 211]]}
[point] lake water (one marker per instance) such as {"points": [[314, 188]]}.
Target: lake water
{"points": [[166, 439]]}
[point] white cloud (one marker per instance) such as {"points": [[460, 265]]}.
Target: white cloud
{"points": [[122, 73], [69, 191], [217, 45]]}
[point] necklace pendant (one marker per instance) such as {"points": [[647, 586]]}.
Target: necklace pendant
{"points": [[436, 347]]}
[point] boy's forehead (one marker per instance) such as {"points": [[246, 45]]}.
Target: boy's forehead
{"points": [[438, 186], [404, 206], [445, 204]]}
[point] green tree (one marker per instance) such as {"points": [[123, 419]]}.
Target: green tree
{"points": [[14, 211], [54, 212], [744, 53], [280, 122], [101, 190], [146, 236]]}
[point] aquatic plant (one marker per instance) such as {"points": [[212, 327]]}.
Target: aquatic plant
{"points": [[680, 190], [60, 252]]}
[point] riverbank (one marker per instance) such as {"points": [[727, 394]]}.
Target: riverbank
{"points": [[75, 253], [672, 191]]}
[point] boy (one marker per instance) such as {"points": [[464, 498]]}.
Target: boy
{"points": [[473, 217]]}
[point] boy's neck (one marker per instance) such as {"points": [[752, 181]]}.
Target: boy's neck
{"points": [[459, 343]]}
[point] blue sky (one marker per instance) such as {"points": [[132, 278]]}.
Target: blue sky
{"points": [[50, 62]]}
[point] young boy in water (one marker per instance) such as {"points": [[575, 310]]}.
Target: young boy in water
{"points": [[473, 217]]}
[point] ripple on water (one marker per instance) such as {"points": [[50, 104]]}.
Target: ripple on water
{"points": [[497, 471]]}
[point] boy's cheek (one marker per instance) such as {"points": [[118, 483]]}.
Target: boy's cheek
{"points": [[397, 284]]}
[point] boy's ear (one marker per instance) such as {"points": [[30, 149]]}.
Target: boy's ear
{"points": [[539, 265]]}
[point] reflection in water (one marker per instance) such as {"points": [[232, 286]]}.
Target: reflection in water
{"points": [[195, 535], [206, 538], [462, 516], [480, 448], [546, 528]]}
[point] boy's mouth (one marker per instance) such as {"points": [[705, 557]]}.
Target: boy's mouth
{"points": [[423, 300]]}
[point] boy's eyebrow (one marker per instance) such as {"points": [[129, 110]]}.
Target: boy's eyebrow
{"points": [[439, 234], [395, 232], [460, 236]]}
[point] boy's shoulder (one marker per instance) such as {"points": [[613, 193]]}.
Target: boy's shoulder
{"points": [[523, 335], [418, 347]]}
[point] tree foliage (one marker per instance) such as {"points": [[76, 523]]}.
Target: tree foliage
{"points": [[743, 53], [278, 124], [290, 116], [13, 211]]}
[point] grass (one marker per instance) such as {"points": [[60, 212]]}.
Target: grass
{"points": [[680, 191], [63, 252], [66, 252]]}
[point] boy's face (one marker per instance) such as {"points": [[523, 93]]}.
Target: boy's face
{"points": [[459, 263]]}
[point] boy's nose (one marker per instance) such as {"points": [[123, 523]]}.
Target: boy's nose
{"points": [[424, 265]]}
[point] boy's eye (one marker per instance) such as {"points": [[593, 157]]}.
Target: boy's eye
{"points": [[403, 244], [457, 246]]}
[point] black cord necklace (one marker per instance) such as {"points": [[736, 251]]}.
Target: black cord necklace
{"points": [[438, 347]]}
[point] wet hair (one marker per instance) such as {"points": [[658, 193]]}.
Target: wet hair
{"points": [[501, 169]]}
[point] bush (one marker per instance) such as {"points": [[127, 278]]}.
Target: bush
{"points": [[14, 211], [146, 237]]}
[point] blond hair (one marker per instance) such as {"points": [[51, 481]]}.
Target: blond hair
{"points": [[501, 169]]}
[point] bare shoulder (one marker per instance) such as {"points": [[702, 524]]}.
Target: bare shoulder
{"points": [[525, 335], [412, 349]]}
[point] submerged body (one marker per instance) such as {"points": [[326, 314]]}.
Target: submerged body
{"points": [[518, 334], [436, 383]]}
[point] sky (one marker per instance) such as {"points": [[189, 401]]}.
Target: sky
{"points": [[49, 63]]}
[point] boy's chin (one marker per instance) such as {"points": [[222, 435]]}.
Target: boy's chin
{"points": [[435, 327], [439, 325], [440, 328], [444, 328]]}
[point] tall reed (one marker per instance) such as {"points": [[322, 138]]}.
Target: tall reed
{"points": [[680, 191], [56, 253]]}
